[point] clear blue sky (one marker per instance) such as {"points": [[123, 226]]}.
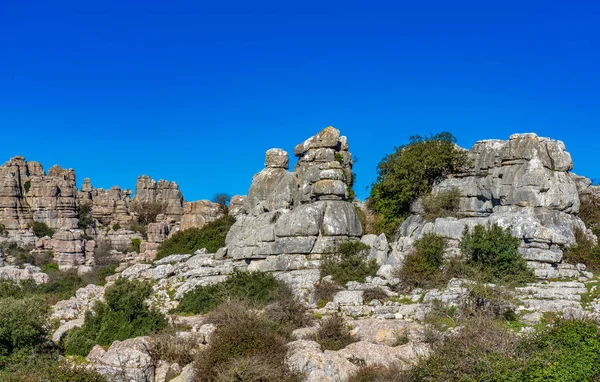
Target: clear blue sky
{"points": [[197, 91]]}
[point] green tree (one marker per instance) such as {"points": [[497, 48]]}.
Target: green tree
{"points": [[410, 172]]}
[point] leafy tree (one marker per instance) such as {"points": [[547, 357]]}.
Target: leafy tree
{"points": [[222, 199], [410, 172], [84, 213]]}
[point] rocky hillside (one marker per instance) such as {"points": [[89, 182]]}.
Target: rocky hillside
{"points": [[301, 228]]}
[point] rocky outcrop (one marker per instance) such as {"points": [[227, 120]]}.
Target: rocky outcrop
{"points": [[164, 192], [197, 214], [109, 207], [302, 212], [28, 194], [523, 183]]}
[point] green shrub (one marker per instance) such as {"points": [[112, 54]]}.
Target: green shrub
{"points": [[374, 294], [589, 210], [348, 262], [410, 172], [495, 253], [378, 373], [84, 214], [22, 327], [116, 227], [50, 267], [29, 256], [444, 204], [485, 350], [585, 251], [257, 288], [41, 229], [123, 315], [421, 267], [49, 369], [135, 245], [211, 236], [246, 346], [334, 334], [3, 230], [27, 186]]}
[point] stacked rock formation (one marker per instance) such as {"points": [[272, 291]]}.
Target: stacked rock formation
{"points": [[108, 206], [27, 193], [165, 192], [523, 183], [303, 212], [197, 214]]}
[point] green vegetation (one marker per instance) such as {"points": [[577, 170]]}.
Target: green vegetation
{"points": [[486, 350], [124, 315], [589, 212], [494, 252], [421, 268], [410, 172], [585, 251], [246, 346], [444, 204], [324, 292], [374, 294], [257, 288], [135, 245], [147, 211], [211, 236], [334, 334], [116, 227], [3, 230], [41, 229], [27, 186], [222, 199], [348, 262], [84, 214]]}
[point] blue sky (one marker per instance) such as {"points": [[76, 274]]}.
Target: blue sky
{"points": [[196, 91]]}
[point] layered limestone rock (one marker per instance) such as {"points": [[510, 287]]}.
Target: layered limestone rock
{"points": [[109, 207], [197, 214], [302, 212], [523, 183], [27, 193], [165, 192]]}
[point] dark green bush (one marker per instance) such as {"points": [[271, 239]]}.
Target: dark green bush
{"points": [[3, 230], [410, 172], [334, 334], [211, 236], [41, 229], [27, 186], [253, 287], [348, 262], [444, 204], [147, 211], [47, 368], [421, 267], [22, 327], [84, 214], [116, 227], [495, 253], [123, 315]]}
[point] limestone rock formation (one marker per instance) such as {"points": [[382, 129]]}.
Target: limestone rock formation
{"points": [[109, 207], [165, 192], [300, 212], [523, 183], [197, 214]]}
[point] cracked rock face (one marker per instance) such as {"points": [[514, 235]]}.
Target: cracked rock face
{"points": [[300, 212], [148, 190], [523, 184]]}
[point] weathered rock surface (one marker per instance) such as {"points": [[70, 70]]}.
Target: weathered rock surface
{"points": [[124, 361], [165, 192], [197, 214]]}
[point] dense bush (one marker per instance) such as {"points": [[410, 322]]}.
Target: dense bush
{"points": [[27, 186], [84, 214], [494, 252], [421, 267], [3, 230], [173, 348], [348, 262], [135, 245], [589, 211], [410, 172], [41, 229], [22, 327], [485, 350], [585, 251], [324, 292], [333, 333], [147, 211], [49, 369], [246, 346], [27, 255], [443, 204], [123, 315], [257, 288], [211, 236]]}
